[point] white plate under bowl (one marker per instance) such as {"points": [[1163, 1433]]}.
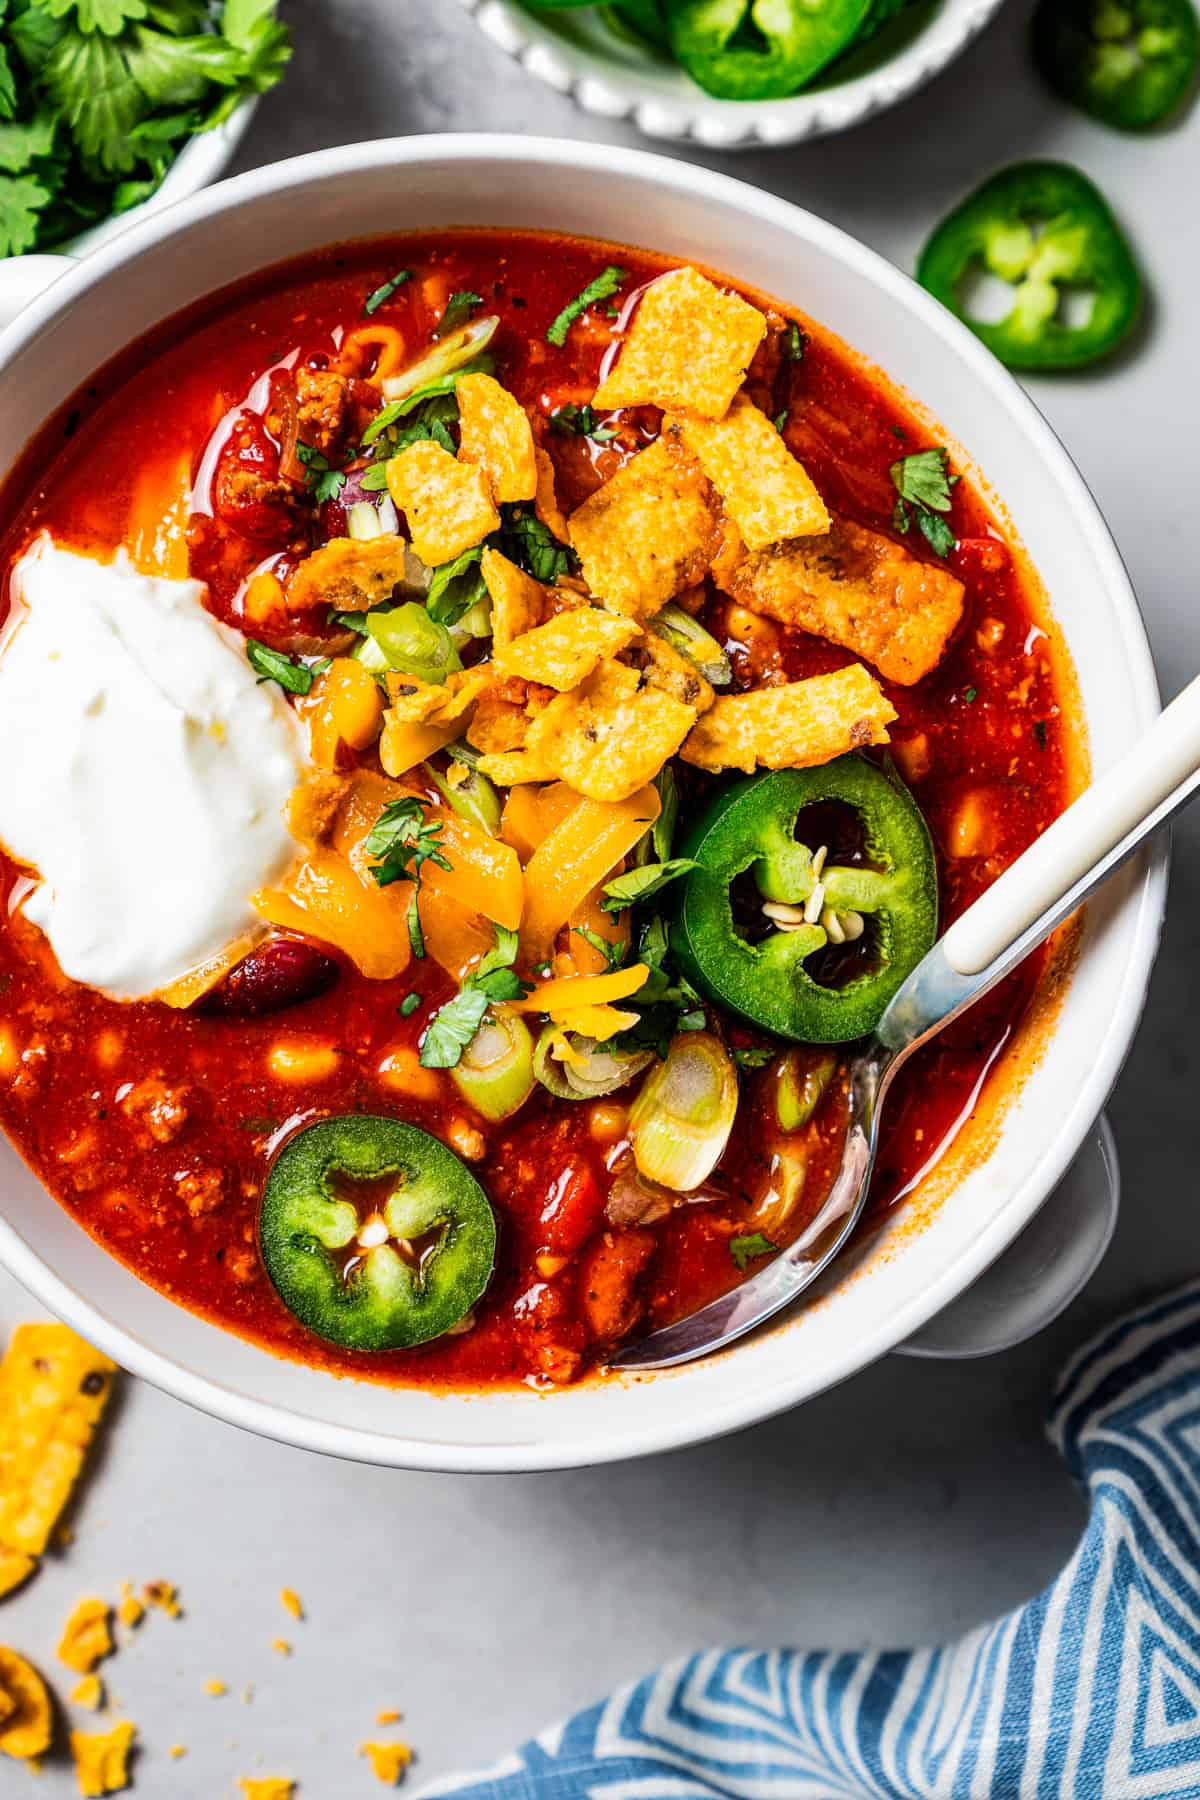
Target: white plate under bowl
{"points": [[575, 52]]}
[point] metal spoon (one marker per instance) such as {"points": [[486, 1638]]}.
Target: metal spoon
{"points": [[1078, 852]]}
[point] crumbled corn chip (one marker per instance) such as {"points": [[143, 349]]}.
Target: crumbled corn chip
{"points": [[860, 590], [563, 651], [291, 1602], [102, 1759], [609, 737], [388, 1715], [15, 1569], [28, 1724], [648, 532], [766, 492], [448, 504], [53, 1390], [794, 726], [498, 725], [665, 667], [281, 1647], [89, 1692], [164, 1595], [510, 768], [176, 1751], [495, 434], [130, 1610], [687, 350], [87, 1637], [417, 702], [349, 574], [518, 601], [388, 1761], [216, 1687], [266, 1787], [545, 503]]}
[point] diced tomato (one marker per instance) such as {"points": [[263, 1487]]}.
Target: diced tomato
{"points": [[572, 1210]]}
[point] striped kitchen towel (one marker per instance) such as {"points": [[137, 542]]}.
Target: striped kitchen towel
{"points": [[1092, 1690]]}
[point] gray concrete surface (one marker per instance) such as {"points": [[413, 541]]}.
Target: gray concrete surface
{"points": [[910, 1504]]}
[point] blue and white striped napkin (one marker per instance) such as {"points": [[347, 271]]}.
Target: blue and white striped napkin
{"points": [[1092, 1690]]}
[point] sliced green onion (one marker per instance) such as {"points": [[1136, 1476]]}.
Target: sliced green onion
{"points": [[800, 1087], [680, 1122], [601, 1070], [406, 639], [474, 798], [462, 346], [781, 1192], [688, 636], [495, 1072]]}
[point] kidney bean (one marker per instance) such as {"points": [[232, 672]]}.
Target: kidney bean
{"points": [[282, 972]]}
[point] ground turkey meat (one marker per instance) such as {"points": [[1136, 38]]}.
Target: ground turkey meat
{"points": [[158, 1111]]}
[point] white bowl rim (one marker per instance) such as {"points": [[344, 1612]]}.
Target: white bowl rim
{"points": [[291, 1426], [674, 109]]}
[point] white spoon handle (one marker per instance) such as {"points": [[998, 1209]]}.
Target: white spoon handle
{"points": [[1130, 795]]}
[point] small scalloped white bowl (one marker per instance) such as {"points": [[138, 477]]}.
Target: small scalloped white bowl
{"points": [[574, 52]]}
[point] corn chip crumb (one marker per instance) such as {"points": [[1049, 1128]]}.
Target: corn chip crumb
{"points": [[89, 1692], [164, 1595], [281, 1646], [130, 1610], [291, 1602], [216, 1688], [388, 1761], [390, 1715], [86, 1637], [102, 1759], [266, 1787], [176, 1751]]}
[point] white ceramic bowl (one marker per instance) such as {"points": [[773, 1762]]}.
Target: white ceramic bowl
{"points": [[577, 54], [928, 1257]]}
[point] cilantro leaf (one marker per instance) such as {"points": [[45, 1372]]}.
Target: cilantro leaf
{"points": [[409, 1005], [108, 16], [639, 884], [602, 288], [21, 200], [534, 547], [385, 290], [89, 81], [780, 420], [459, 308], [581, 421], [613, 954], [752, 1244], [923, 478], [456, 587], [753, 1056], [454, 1025], [8, 86], [23, 143], [938, 534], [294, 676], [322, 482], [402, 840], [795, 342]]}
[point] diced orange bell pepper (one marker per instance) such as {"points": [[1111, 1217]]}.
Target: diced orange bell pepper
{"points": [[531, 812], [455, 936], [345, 706], [583, 957], [402, 746], [577, 856], [571, 992], [326, 898]]}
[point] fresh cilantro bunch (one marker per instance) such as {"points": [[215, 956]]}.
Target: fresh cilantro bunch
{"points": [[97, 98]]}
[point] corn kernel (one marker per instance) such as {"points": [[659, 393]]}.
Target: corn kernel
{"points": [[401, 1069], [109, 1046], [298, 1062], [607, 1122], [10, 1055], [548, 1266], [264, 598], [467, 1139]]}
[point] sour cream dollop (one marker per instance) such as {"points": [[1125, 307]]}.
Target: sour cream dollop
{"points": [[145, 772]]}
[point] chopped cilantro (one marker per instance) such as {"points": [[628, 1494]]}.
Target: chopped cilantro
{"points": [[409, 1005], [923, 483], [454, 1025], [581, 421], [385, 290], [322, 482], [781, 420], [459, 308], [603, 287], [795, 342], [456, 587], [273, 665], [970, 695], [402, 840], [753, 1056], [639, 884], [534, 547], [613, 954], [752, 1244]]}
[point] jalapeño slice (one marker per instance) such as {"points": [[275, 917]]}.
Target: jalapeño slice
{"points": [[742, 933], [375, 1235], [760, 49], [1126, 62]]}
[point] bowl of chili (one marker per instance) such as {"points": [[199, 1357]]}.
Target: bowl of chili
{"points": [[822, 70], [153, 1274]]}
